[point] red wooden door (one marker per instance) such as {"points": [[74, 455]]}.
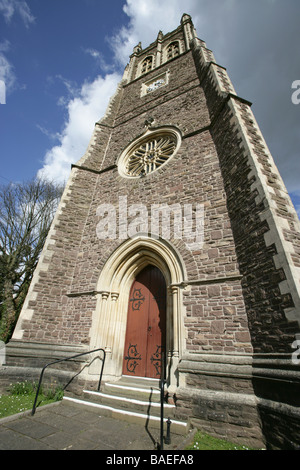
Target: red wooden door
{"points": [[146, 325]]}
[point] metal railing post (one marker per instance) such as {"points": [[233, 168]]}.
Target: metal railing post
{"points": [[168, 436], [162, 398]]}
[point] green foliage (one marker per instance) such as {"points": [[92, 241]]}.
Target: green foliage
{"points": [[22, 395], [13, 404], [26, 213], [23, 388], [203, 441]]}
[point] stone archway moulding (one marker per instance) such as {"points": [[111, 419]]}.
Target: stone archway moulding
{"points": [[110, 317]]}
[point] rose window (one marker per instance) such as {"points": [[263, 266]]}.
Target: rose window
{"points": [[148, 154]]}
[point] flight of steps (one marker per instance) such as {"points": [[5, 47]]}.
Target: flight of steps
{"points": [[132, 399]]}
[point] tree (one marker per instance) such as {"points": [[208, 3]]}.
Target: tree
{"points": [[26, 213]]}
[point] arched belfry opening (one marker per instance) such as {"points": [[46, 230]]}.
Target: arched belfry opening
{"points": [[155, 265]]}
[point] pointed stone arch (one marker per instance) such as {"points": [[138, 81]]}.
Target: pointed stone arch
{"points": [[172, 50], [110, 318], [146, 65]]}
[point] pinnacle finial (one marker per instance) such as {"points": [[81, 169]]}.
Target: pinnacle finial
{"points": [[138, 48], [186, 17]]}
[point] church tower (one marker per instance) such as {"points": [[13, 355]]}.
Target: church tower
{"points": [[176, 233]]}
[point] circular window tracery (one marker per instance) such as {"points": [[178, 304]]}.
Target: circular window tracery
{"points": [[149, 153]]}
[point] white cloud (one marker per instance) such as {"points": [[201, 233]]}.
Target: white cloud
{"points": [[295, 196], [10, 7], [88, 105], [7, 73], [297, 208], [146, 19], [99, 59], [83, 111], [260, 72], [51, 135], [71, 87]]}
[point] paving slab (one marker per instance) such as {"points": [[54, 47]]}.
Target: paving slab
{"points": [[67, 426]]}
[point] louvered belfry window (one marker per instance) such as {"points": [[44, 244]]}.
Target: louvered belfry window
{"points": [[147, 65], [173, 50]]}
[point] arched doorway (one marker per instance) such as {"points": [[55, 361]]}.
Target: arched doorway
{"points": [[109, 324], [145, 338]]}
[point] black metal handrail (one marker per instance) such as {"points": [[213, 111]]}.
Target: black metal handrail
{"points": [[67, 359]]}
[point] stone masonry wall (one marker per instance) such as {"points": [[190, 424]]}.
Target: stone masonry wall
{"points": [[195, 172], [216, 318], [255, 197], [266, 231], [269, 327], [46, 320]]}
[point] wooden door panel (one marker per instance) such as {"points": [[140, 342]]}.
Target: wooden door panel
{"points": [[145, 332], [137, 321], [156, 328]]}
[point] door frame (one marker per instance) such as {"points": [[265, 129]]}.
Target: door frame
{"points": [[110, 317]]}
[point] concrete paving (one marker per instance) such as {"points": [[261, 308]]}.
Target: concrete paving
{"points": [[67, 426]]}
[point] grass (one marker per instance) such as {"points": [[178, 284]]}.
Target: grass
{"points": [[21, 397], [203, 441]]}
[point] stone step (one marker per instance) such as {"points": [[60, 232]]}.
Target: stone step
{"points": [[141, 389], [134, 399], [151, 421], [137, 404]]}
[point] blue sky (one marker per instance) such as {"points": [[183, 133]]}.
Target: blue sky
{"points": [[61, 61]]}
